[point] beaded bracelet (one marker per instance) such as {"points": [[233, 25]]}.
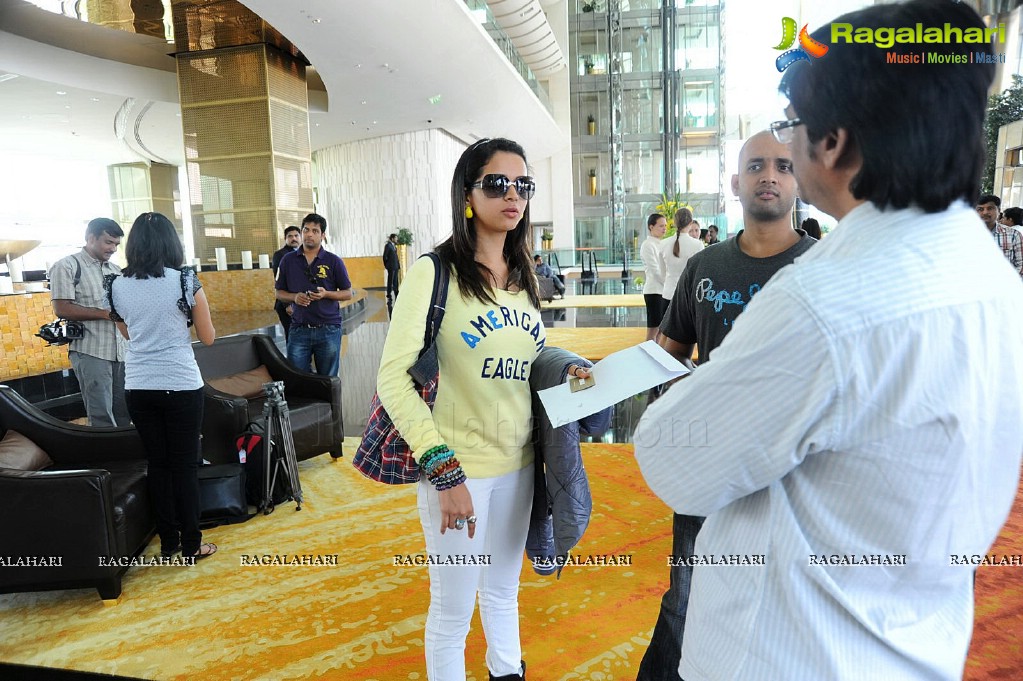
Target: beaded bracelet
{"points": [[446, 467], [437, 462], [426, 461], [454, 482], [441, 468], [447, 476]]}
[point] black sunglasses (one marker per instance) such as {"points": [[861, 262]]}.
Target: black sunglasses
{"points": [[495, 186]]}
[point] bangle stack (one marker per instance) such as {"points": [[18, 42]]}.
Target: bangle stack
{"points": [[442, 468]]}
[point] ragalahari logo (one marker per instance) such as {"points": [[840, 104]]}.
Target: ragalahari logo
{"points": [[808, 47]]}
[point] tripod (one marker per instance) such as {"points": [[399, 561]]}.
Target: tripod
{"points": [[279, 449]]}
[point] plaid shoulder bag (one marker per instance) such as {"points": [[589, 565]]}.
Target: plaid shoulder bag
{"points": [[383, 455]]}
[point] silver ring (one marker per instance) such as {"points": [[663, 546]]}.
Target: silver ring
{"points": [[459, 523], [471, 520]]}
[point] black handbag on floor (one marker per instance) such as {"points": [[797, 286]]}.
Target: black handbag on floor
{"points": [[222, 495]]}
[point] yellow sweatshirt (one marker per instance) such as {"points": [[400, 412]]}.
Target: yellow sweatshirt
{"points": [[485, 352]]}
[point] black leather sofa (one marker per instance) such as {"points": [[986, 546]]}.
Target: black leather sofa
{"points": [[90, 507], [314, 402]]}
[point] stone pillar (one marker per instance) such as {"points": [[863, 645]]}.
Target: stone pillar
{"points": [[244, 112], [142, 188]]}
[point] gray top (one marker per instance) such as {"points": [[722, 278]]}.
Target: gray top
{"points": [[160, 352], [101, 337]]}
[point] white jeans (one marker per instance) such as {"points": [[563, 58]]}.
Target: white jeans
{"points": [[502, 507]]}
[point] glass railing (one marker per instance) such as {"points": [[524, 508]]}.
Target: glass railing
{"points": [[483, 14]]}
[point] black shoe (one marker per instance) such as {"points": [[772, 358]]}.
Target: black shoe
{"points": [[168, 553], [511, 677]]}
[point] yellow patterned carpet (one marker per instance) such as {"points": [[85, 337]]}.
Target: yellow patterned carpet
{"points": [[362, 620]]}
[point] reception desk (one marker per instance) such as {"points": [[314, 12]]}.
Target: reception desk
{"points": [[236, 297]]}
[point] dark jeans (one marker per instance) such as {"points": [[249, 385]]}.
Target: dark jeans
{"points": [[660, 663], [321, 344], [168, 422], [392, 283]]}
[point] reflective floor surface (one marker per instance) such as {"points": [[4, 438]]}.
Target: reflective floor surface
{"points": [[364, 336]]}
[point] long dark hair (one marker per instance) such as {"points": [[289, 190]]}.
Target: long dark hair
{"points": [[153, 244], [683, 218], [459, 250]]}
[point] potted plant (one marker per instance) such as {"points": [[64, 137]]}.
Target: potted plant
{"points": [[547, 239], [591, 125], [669, 205], [588, 65], [593, 181], [590, 6], [404, 240]]}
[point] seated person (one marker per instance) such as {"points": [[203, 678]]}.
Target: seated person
{"points": [[544, 270]]}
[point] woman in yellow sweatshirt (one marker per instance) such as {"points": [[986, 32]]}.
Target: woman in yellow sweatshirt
{"points": [[474, 449]]}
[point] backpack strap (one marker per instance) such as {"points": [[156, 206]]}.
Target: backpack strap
{"points": [[438, 301], [186, 301], [78, 273], [108, 288]]}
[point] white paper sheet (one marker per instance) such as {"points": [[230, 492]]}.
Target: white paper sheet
{"points": [[619, 376]]}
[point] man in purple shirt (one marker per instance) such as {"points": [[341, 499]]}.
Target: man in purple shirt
{"points": [[315, 281]]}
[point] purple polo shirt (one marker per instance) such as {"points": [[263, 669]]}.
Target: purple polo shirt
{"points": [[327, 270]]}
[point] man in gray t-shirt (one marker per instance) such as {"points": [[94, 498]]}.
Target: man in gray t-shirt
{"points": [[716, 285]]}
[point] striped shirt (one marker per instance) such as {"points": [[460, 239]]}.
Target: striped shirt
{"points": [[101, 337], [861, 430], [1008, 239]]}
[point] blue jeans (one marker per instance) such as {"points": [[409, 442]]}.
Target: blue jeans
{"points": [[660, 663], [321, 344]]}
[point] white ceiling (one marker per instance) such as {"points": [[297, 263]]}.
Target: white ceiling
{"points": [[386, 67]]}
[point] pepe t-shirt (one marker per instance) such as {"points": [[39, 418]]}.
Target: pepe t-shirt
{"points": [[485, 353], [716, 285]]}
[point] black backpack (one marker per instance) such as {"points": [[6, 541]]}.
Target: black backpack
{"points": [[252, 441]]}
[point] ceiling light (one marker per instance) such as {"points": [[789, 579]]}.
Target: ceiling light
{"points": [[61, 92], [7, 76], [95, 99], [434, 100]]}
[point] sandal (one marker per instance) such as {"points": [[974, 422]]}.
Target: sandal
{"points": [[206, 550]]}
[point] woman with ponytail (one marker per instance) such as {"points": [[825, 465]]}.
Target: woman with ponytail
{"points": [[675, 253]]}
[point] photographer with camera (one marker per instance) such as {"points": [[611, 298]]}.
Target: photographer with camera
{"points": [[76, 291]]}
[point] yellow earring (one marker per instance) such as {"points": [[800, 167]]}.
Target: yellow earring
{"points": [[468, 212]]}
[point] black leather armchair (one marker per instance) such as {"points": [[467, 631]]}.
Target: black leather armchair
{"points": [[314, 402], [89, 510]]}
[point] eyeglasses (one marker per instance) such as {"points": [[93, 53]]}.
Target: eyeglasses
{"points": [[495, 186], [782, 130]]}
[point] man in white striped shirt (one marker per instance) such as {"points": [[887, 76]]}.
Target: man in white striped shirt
{"points": [[864, 426]]}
